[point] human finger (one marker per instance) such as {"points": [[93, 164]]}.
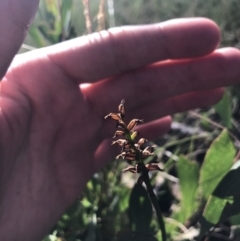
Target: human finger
{"points": [[165, 80], [150, 131], [178, 104], [15, 18], [118, 50]]}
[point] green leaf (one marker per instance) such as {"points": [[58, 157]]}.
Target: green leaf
{"points": [[188, 173], [37, 37], [230, 184], [235, 220], [214, 208], [124, 194], [224, 202], [140, 209], [66, 14], [217, 163], [85, 202], [223, 108], [52, 7], [229, 189]]}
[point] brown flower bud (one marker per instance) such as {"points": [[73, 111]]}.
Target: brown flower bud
{"points": [[114, 116], [137, 146], [120, 142], [121, 108], [142, 141], [149, 149], [131, 153], [126, 146], [121, 124], [119, 133], [145, 156], [153, 167], [130, 158], [130, 169], [133, 123], [147, 153], [121, 155]]}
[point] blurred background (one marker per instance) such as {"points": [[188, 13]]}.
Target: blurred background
{"points": [[108, 204], [58, 20]]}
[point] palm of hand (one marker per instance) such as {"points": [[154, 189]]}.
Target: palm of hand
{"points": [[45, 135]]}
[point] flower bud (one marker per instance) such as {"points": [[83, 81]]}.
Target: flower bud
{"points": [[121, 155], [133, 123], [114, 116], [149, 149], [130, 169], [119, 133], [120, 142], [121, 124], [121, 108], [142, 141], [134, 135], [153, 167]]}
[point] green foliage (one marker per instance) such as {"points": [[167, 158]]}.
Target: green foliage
{"points": [[217, 163], [188, 173], [140, 210], [224, 202], [223, 108]]}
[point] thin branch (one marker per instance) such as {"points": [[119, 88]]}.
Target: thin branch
{"points": [[63, 35], [111, 13], [27, 47], [101, 16], [194, 113], [186, 139], [87, 16], [178, 224], [235, 227]]}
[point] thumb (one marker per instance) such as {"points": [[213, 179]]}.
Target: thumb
{"points": [[15, 19]]}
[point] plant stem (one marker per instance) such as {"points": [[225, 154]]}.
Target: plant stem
{"points": [[154, 202], [101, 16], [87, 16]]}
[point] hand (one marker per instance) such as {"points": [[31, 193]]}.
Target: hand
{"points": [[52, 133]]}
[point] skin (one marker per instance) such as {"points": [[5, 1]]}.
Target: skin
{"points": [[52, 133]]}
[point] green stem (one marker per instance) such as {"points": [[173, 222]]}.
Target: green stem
{"points": [[145, 178], [154, 201]]}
